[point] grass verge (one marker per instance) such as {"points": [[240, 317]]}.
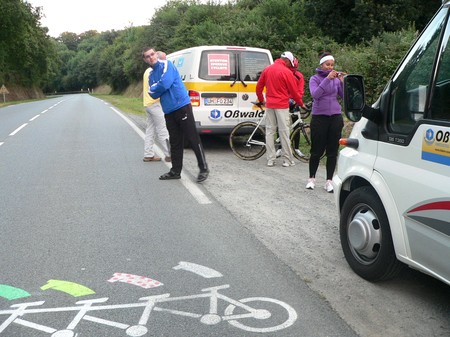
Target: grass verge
{"points": [[126, 104]]}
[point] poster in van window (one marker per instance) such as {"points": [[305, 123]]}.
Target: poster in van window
{"points": [[436, 145], [219, 64]]}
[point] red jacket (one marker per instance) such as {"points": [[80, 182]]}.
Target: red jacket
{"points": [[301, 85], [280, 85]]}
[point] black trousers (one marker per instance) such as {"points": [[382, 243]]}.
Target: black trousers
{"points": [[181, 126], [325, 134]]}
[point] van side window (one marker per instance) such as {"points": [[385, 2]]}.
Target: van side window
{"points": [[411, 84], [251, 65], [217, 65], [440, 104]]}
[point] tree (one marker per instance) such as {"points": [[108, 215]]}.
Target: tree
{"points": [[25, 49], [353, 21]]}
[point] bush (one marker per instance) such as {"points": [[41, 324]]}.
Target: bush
{"points": [[376, 60]]}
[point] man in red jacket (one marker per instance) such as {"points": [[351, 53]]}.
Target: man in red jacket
{"points": [[280, 85]]}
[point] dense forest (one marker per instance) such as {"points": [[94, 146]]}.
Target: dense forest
{"points": [[367, 37]]}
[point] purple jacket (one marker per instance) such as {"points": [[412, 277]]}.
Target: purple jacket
{"points": [[324, 93]]}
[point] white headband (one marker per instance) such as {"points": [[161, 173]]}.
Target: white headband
{"points": [[326, 58]]}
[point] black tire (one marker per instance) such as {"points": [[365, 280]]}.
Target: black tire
{"points": [[239, 141], [366, 236], [301, 143]]}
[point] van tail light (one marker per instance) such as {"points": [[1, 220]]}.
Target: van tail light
{"points": [[349, 142], [195, 97]]}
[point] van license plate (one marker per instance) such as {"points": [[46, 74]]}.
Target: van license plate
{"points": [[218, 101]]}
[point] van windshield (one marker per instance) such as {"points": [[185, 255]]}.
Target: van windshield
{"points": [[227, 65], [411, 84]]}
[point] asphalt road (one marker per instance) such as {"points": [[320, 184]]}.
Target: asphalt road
{"points": [[93, 244], [301, 228]]}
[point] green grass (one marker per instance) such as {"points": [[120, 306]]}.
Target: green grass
{"points": [[126, 104]]}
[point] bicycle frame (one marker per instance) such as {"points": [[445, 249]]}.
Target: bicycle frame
{"points": [[291, 127], [250, 139]]}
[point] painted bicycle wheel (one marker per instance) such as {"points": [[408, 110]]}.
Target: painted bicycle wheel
{"points": [[267, 314]]}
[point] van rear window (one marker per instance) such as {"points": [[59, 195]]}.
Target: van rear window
{"points": [[226, 65]]}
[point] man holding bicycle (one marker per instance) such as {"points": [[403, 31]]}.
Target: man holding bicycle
{"points": [[280, 85]]}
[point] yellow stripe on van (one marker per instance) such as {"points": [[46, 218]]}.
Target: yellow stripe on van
{"points": [[220, 87]]}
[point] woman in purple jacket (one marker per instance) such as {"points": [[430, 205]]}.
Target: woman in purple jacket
{"points": [[327, 122]]}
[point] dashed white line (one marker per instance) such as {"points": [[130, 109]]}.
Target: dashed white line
{"points": [[32, 119], [1, 143], [196, 192], [18, 129]]}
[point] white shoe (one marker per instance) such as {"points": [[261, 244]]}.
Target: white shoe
{"points": [[329, 186], [287, 163], [311, 184], [299, 153], [270, 163], [278, 154]]}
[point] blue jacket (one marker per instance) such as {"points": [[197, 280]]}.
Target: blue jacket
{"points": [[166, 84], [325, 93]]}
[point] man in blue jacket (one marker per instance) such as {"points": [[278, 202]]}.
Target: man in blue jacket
{"points": [[166, 84]]}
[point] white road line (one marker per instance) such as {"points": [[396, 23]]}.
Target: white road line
{"points": [[18, 129], [43, 112], [190, 186], [32, 119], [36, 326], [1, 143]]}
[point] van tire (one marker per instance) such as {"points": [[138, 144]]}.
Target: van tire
{"points": [[366, 237]]}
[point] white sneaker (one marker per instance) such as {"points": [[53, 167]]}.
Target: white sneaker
{"points": [[270, 163], [299, 153], [311, 184], [278, 154], [287, 163], [329, 186]]}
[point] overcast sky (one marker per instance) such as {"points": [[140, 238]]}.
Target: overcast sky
{"points": [[78, 16]]}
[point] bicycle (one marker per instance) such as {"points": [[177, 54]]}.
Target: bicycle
{"points": [[248, 139], [236, 311]]}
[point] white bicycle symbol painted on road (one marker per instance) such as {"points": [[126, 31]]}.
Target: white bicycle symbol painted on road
{"points": [[238, 313]]}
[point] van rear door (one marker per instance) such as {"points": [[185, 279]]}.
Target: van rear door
{"points": [[227, 86]]}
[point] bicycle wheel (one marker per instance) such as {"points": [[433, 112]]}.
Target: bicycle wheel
{"points": [[276, 315], [301, 142], [245, 147]]}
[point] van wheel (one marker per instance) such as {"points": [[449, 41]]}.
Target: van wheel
{"points": [[366, 236]]}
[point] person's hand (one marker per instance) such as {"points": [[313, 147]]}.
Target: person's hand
{"points": [[332, 75], [341, 75]]}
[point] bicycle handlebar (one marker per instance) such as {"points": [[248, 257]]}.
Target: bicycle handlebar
{"points": [[258, 104]]}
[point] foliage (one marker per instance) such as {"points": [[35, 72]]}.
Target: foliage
{"points": [[367, 37], [357, 21], [26, 53]]}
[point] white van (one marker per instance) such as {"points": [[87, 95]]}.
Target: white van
{"points": [[221, 81], [392, 186]]}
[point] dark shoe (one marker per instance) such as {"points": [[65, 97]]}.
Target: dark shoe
{"points": [[202, 176], [170, 175], [154, 158]]}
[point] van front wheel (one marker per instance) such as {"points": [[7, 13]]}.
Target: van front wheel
{"points": [[366, 236]]}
